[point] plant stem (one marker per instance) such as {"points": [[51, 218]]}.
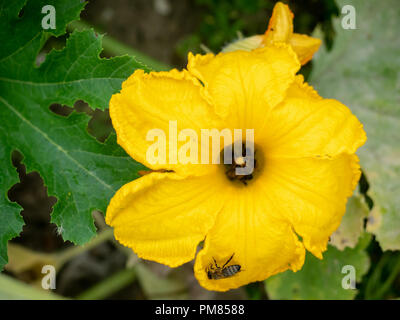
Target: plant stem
{"points": [[109, 286], [69, 253], [373, 289], [12, 289], [375, 277], [382, 290]]}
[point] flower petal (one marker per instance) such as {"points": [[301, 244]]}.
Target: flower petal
{"points": [[247, 44], [302, 90], [311, 194], [304, 46], [262, 245], [304, 125], [243, 85], [163, 216], [280, 27], [150, 101]]}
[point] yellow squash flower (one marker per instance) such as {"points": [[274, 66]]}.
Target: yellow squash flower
{"points": [[305, 167], [280, 29]]}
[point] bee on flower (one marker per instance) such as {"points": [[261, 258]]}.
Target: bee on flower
{"points": [[305, 166]]}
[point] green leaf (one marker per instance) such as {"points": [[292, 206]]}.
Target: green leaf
{"points": [[352, 224], [80, 171], [363, 72], [321, 279]]}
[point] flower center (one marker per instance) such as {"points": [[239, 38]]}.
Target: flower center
{"points": [[240, 163]]}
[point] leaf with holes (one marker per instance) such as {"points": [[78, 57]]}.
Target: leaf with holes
{"points": [[80, 171], [363, 72], [323, 279], [352, 224]]}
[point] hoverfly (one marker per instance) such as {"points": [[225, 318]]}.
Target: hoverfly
{"points": [[214, 272]]}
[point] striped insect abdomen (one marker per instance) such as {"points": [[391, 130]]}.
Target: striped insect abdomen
{"points": [[230, 271]]}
